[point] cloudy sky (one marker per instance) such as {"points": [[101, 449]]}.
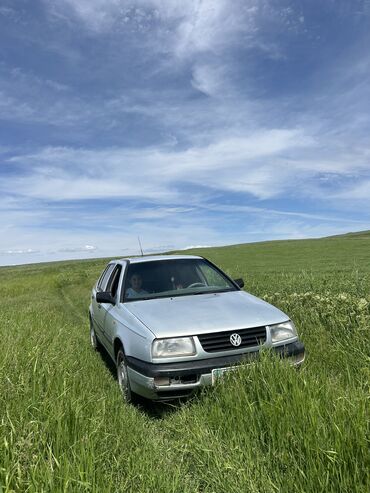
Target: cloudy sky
{"points": [[197, 122]]}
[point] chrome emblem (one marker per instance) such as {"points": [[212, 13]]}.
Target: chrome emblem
{"points": [[235, 339]]}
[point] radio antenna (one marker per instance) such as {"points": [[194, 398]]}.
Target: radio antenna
{"points": [[141, 250]]}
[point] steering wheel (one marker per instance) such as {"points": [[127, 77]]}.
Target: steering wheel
{"points": [[197, 285]]}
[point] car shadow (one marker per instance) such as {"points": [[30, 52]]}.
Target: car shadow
{"points": [[108, 362], [153, 409], [157, 410]]}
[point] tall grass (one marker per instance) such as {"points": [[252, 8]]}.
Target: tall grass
{"points": [[265, 428]]}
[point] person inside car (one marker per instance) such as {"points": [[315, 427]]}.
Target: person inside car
{"points": [[135, 290]]}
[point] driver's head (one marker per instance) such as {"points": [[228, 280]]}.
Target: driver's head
{"points": [[136, 281]]}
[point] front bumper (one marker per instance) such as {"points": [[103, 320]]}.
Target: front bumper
{"points": [[167, 381]]}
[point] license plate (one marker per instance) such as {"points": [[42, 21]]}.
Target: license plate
{"points": [[218, 373]]}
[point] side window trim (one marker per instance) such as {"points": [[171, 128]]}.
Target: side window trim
{"points": [[103, 281], [101, 277], [114, 278], [123, 282]]}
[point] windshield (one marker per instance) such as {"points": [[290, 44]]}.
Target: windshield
{"points": [[177, 277]]}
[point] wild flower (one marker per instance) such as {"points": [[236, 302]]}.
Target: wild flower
{"points": [[362, 304]]}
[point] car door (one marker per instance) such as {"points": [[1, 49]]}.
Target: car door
{"points": [[99, 309], [110, 321]]}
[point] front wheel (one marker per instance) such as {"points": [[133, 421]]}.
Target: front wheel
{"points": [[123, 378]]}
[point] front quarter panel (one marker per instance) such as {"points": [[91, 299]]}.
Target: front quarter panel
{"points": [[135, 336]]}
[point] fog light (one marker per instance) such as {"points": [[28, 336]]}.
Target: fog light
{"points": [[161, 381]]}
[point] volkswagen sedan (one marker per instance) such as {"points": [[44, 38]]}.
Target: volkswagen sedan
{"points": [[172, 324]]}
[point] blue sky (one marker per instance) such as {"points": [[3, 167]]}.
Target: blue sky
{"points": [[182, 122]]}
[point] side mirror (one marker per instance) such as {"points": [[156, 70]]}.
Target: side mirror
{"points": [[104, 297], [239, 282]]}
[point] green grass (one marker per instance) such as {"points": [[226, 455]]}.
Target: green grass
{"points": [[267, 428], [333, 254]]}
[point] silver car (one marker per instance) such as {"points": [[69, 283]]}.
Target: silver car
{"points": [[172, 324]]}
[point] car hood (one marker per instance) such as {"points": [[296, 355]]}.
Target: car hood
{"points": [[202, 313]]}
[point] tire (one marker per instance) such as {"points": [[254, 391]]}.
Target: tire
{"points": [[94, 341], [123, 378]]}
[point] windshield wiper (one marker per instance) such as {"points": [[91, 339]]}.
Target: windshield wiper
{"points": [[176, 295], [213, 291]]}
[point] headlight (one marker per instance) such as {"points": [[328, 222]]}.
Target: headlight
{"points": [[280, 332], [168, 348]]}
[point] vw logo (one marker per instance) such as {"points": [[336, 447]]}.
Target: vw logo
{"points": [[235, 339]]}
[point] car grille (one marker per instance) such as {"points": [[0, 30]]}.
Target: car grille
{"points": [[220, 341]]}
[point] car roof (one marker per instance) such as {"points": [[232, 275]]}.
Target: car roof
{"points": [[152, 258]]}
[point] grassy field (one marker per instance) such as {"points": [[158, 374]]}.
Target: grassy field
{"points": [[267, 428]]}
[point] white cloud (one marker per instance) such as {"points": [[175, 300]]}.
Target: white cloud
{"points": [[25, 97], [26, 251], [198, 24], [184, 29], [265, 163], [190, 247], [268, 213], [209, 79], [240, 164], [210, 24], [158, 212], [96, 14], [358, 192], [180, 233], [55, 243], [84, 248]]}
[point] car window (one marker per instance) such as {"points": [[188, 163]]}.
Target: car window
{"points": [[178, 277], [102, 283], [101, 276], [212, 277], [113, 281]]}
